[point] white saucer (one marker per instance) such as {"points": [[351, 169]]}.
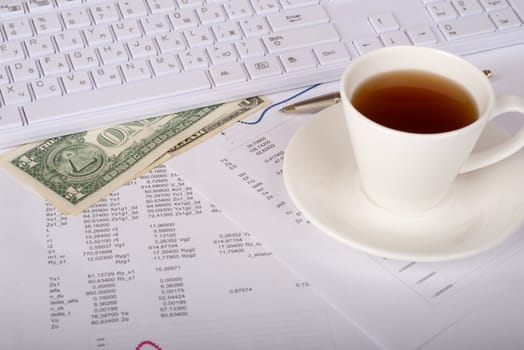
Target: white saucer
{"points": [[484, 207]]}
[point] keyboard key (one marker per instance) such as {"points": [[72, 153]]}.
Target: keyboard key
{"points": [[263, 67], [170, 42], [238, 9], [18, 28], [135, 70], [107, 75], [384, 22], [298, 60], [125, 30], [518, 7], [183, 4], [11, 8], [10, 51], [132, 8], [505, 19], [69, 40], [166, 64], [142, 47], [441, 11], [98, 35], [194, 59], [332, 53], [184, 18], [254, 26], [395, 38], [293, 39], [67, 3], [211, 13], [494, 5], [83, 59], [367, 44], [4, 79], [221, 53], [227, 73], [266, 6], [294, 18], [46, 87], [36, 6], [422, 35], [104, 13], [10, 117], [161, 6], [54, 64], [467, 7], [47, 23], [155, 24], [145, 91], [15, 94], [114, 53], [198, 37], [23, 70], [468, 26], [76, 18], [288, 4], [251, 47], [39, 46], [76, 82], [227, 32]]}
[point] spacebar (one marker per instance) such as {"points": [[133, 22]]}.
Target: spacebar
{"points": [[116, 96]]}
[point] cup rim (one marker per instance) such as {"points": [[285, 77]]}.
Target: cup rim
{"points": [[483, 115]]}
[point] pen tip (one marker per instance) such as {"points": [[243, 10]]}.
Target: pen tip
{"points": [[287, 109]]}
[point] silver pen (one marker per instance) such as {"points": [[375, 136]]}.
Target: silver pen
{"points": [[313, 105], [316, 104]]}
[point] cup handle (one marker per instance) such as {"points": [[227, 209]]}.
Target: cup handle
{"points": [[505, 149]]}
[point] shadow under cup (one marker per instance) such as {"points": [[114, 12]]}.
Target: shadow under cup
{"points": [[408, 172]]}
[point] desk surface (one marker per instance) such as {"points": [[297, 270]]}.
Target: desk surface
{"points": [[150, 255]]}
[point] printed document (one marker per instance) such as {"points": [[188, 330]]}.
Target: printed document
{"points": [[152, 266]]}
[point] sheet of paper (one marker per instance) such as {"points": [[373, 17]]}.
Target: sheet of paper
{"points": [[152, 266], [495, 325], [404, 304]]}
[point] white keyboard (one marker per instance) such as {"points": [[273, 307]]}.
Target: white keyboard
{"points": [[71, 65]]}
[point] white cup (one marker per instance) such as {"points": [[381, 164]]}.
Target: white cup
{"points": [[408, 173]]}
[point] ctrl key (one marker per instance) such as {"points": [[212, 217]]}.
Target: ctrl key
{"points": [[10, 117], [332, 53]]}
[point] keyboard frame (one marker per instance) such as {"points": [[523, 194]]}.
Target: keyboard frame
{"points": [[350, 19]]}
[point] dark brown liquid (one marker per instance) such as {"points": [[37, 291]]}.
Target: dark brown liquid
{"points": [[416, 102]]}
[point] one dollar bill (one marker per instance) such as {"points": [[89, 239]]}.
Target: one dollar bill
{"points": [[222, 121], [75, 171]]}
